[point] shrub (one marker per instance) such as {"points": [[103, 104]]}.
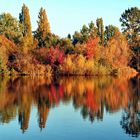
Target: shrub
{"points": [[7, 48], [100, 69], [80, 48], [3, 68], [55, 56], [41, 54], [79, 65], [29, 65], [67, 66], [90, 47], [89, 67]]}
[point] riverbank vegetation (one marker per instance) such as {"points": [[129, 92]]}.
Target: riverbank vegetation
{"points": [[94, 50]]}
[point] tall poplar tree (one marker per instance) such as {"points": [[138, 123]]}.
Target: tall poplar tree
{"points": [[24, 19], [100, 30], [43, 28], [92, 30]]}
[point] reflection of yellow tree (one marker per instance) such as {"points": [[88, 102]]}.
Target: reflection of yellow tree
{"points": [[43, 111], [7, 103], [8, 113], [24, 111]]}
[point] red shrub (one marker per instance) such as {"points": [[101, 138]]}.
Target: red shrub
{"points": [[55, 56], [90, 47]]}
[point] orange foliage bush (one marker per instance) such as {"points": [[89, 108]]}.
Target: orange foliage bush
{"points": [[90, 47], [29, 65], [7, 47], [117, 52], [76, 65]]}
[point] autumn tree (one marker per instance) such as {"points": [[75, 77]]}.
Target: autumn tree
{"points": [[43, 112], [100, 30], [130, 21], [3, 67], [90, 47], [117, 53], [43, 28], [24, 18], [10, 27]]}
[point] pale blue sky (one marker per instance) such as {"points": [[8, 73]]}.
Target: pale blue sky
{"points": [[66, 16]]}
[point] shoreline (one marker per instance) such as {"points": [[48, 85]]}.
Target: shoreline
{"points": [[122, 74]]}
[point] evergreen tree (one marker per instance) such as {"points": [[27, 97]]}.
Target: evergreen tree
{"points": [[77, 38], [69, 36], [110, 31], [100, 30], [92, 30], [24, 18], [130, 20], [85, 33], [43, 28]]}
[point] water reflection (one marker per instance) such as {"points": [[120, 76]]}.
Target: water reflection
{"points": [[131, 116], [91, 95]]}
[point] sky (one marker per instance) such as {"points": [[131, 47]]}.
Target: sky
{"points": [[67, 16]]}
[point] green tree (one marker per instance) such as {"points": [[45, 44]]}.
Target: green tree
{"points": [[77, 37], [92, 30], [110, 31], [69, 36], [10, 27], [66, 45], [43, 28], [85, 33], [130, 21], [24, 18], [51, 40], [100, 30]]}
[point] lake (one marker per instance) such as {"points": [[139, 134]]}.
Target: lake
{"points": [[39, 108]]}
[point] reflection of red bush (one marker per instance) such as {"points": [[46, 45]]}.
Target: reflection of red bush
{"points": [[91, 103], [61, 91]]}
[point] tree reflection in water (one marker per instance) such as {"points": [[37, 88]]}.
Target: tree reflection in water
{"points": [[91, 95], [131, 116]]}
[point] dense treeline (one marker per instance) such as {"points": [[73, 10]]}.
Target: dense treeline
{"points": [[94, 50]]}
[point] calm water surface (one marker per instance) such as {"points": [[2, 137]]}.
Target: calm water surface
{"points": [[70, 108]]}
